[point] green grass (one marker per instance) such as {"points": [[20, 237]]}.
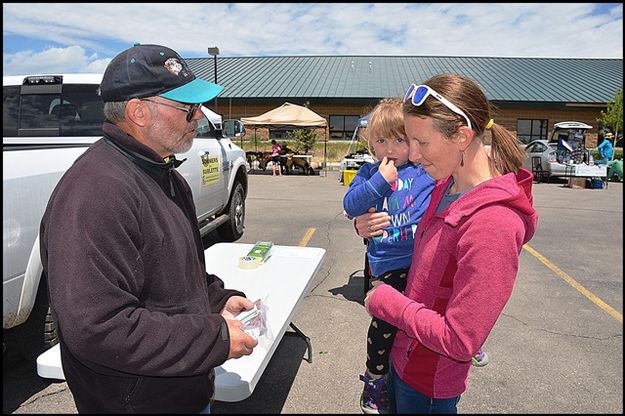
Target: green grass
{"points": [[618, 153]]}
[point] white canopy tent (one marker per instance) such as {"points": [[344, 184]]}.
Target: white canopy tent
{"points": [[287, 115], [290, 115]]}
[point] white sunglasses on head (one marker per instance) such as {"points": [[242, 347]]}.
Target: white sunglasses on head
{"points": [[419, 93]]}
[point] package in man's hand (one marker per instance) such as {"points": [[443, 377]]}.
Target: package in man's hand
{"points": [[248, 316], [254, 320]]}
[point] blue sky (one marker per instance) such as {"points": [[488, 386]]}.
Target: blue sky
{"points": [[74, 37]]}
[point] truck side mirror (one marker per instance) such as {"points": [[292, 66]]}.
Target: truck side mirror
{"points": [[233, 128]]}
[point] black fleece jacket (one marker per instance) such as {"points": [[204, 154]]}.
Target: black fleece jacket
{"points": [[137, 314]]}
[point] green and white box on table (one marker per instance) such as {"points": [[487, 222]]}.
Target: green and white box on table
{"points": [[257, 255]]}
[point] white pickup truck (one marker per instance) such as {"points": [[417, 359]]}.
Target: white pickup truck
{"points": [[47, 122]]}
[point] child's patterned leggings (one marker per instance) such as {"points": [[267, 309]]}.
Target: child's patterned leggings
{"points": [[380, 335]]}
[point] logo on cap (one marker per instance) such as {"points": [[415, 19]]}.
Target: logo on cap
{"points": [[174, 66]]}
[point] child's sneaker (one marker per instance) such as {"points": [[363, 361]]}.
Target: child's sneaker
{"points": [[480, 359], [374, 398]]}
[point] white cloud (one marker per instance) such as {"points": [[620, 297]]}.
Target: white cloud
{"points": [[52, 60], [252, 29], [97, 67]]}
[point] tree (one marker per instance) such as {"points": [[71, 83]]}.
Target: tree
{"points": [[304, 139], [613, 117]]}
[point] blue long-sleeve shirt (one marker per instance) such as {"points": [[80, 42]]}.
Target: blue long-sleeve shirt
{"points": [[605, 149], [405, 201]]}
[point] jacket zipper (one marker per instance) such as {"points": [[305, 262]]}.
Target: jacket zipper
{"points": [[410, 348], [131, 390]]}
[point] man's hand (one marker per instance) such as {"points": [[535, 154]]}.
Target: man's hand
{"points": [[372, 223], [388, 170], [240, 343], [234, 305]]}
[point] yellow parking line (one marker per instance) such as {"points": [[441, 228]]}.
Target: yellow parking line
{"points": [[607, 308], [306, 237]]}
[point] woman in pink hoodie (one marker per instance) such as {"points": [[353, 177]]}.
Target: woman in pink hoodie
{"points": [[467, 245]]}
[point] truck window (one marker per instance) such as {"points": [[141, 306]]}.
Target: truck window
{"points": [[89, 118], [34, 113], [75, 111], [10, 106], [205, 129]]}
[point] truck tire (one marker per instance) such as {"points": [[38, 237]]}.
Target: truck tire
{"points": [[233, 229], [38, 333]]}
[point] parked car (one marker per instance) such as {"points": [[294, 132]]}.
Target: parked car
{"points": [[546, 152], [564, 154]]}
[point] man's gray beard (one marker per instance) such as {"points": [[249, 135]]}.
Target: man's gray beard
{"points": [[186, 148]]}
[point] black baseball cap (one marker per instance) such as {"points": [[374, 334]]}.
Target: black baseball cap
{"points": [[151, 70]]}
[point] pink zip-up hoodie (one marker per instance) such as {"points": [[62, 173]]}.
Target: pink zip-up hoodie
{"points": [[463, 270]]}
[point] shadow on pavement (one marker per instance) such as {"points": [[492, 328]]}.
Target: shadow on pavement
{"points": [[19, 380], [295, 172], [274, 385], [353, 290]]}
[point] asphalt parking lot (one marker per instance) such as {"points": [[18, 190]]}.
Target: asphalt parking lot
{"points": [[557, 348]]}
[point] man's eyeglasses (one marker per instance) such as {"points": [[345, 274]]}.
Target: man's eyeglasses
{"points": [[189, 110], [419, 93]]}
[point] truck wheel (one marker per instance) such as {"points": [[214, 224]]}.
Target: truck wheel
{"points": [[38, 333], [233, 229]]}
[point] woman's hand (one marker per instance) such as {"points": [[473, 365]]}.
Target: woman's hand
{"points": [[372, 223], [375, 284]]}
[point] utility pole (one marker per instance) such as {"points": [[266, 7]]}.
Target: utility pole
{"points": [[214, 51]]}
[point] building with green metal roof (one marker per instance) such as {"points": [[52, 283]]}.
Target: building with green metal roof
{"points": [[530, 94]]}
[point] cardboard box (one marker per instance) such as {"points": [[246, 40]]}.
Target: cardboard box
{"points": [[577, 183]]}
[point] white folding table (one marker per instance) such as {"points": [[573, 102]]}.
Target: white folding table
{"points": [[281, 283]]}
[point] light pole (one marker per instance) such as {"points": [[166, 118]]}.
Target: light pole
{"points": [[214, 51]]}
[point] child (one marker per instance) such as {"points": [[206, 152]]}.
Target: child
{"points": [[402, 189]]}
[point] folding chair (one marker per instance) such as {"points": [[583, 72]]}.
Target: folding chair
{"points": [[537, 169]]}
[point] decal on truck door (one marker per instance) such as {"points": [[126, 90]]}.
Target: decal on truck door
{"points": [[210, 169]]}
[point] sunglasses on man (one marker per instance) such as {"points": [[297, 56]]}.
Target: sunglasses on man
{"points": [[418, 94], [189, 110]]}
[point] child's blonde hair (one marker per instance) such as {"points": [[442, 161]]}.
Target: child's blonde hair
{"points": [[386, 121]]}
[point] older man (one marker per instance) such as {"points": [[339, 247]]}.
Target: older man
{"points": [[141, 324]]}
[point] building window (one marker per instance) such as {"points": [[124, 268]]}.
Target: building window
{"points": [[530, 130], [342, 127], [280, 133]]}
